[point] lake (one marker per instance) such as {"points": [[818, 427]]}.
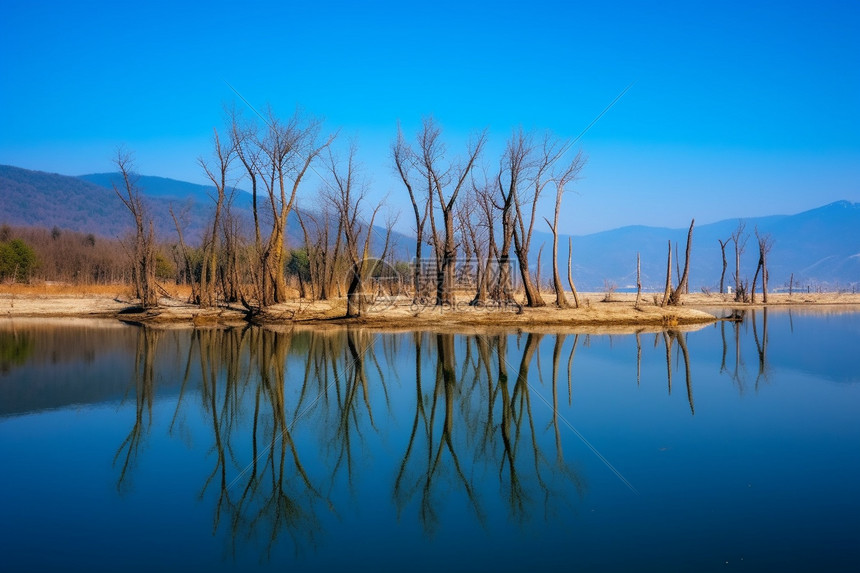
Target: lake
{"points": [[733, 447]]}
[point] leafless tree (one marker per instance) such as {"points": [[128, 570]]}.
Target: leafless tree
{"points": [[723, 245], [513, 169], [346, 193], [739, 237], [667, 291], [638, 284], [538, 166], [765, 243], [143, 249], [217, 172], [404, 161], [186, 256], [445, 180], [276, 159], [570, 272], [566, 176], [482, 193], [675, 297]]}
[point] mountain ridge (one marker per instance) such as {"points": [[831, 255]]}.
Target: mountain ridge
{"points": [[820, 247]]}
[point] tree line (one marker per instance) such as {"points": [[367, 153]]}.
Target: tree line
{"points": [[473, 215], [470, 212]]}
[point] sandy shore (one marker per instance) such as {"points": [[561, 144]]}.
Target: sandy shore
{"points": [[618, 313]]}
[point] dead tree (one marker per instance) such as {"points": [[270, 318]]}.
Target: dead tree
{"points": [[346, 193], [667, 291], [287, 152], [566, 176], [638, 282], [404, 160], [512, 174], [570, 272], [675, 297], [765, 242], [739, 237], [186, 257], [143, 249], [444, 183], [217, 172], [537, 174], [482, 194], [723, 245]]}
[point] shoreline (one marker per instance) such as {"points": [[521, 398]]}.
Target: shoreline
{"points": [[400, 314]]}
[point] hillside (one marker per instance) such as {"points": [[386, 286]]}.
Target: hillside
{"points": [[88, 204], [821, 247]]}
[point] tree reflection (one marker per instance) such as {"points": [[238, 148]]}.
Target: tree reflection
{"points": [[669, 338], [474, 419], [745, 320], [15, 349], [487, 418], [144, 393]]}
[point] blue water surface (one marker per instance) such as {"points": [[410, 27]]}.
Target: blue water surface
{"points": [[731, 447]]}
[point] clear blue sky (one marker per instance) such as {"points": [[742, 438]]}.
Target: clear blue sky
{"points": [[738, 109]]}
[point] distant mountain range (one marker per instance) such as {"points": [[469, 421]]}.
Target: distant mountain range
{"points": [[821, 247]]}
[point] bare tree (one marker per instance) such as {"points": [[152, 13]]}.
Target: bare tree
{"points": [[186, 257], [723, 245], [143, 248], [765, 242], [566, 176], [404, 160], [217, 173], [482, 193], [570, 272], [739, 237], [245, 144], [444, 183], [667, 291], [675, 297], [512, 174], [638, 282], [278, 162], [525, 208], [346, 193]]}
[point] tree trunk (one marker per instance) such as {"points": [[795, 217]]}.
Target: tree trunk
{"points": [[533, 297], [668, 290], [675, 298], [570, 272], [638, 282], [560, 298]]}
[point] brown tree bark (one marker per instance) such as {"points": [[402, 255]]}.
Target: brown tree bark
{"points": [[675, 298]]}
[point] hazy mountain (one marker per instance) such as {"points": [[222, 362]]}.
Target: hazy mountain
{"points": [[89, 204], [821, 246]]}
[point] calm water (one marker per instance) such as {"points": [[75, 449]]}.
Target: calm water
{"points": [[733, 447]]}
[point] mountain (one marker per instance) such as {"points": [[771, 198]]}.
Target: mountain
{"points": [[169, 189], [88, 204], [35, 198], [820, 247]]}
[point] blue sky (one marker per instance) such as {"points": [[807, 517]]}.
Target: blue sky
{"points": [[738, 109]]}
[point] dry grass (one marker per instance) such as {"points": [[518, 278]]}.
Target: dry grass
{"points": [[58, 289]]}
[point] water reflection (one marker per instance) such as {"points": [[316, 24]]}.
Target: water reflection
{"points": [[15, 349], [291, 431], [473, 415]]}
